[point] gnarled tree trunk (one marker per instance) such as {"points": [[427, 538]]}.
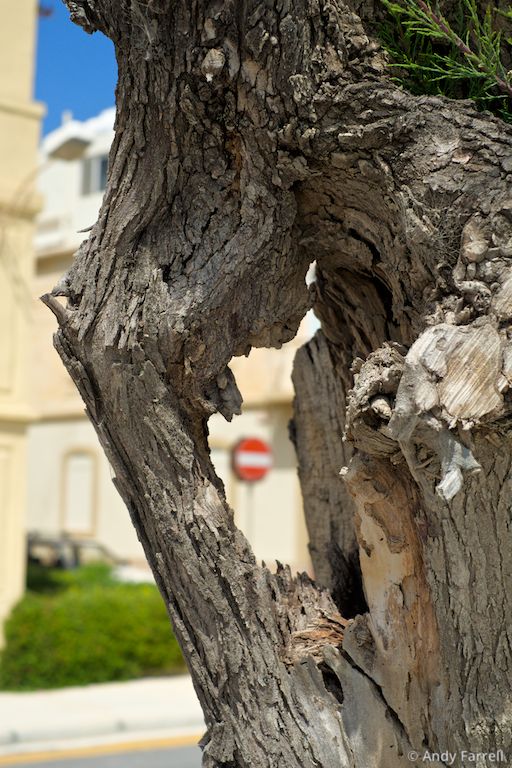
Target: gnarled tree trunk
{"points": [[254, 137]]}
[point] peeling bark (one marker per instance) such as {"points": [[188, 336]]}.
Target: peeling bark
{"points": [[251, 139]]}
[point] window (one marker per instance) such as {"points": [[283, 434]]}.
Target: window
{"points": [[103, 172], [79, 493], [94, 174]]}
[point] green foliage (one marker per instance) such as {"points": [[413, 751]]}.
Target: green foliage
{"points": [[48, 580], [41, 579], [86, 628], [460, 58]]}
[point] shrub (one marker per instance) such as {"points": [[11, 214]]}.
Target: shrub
{"points": [[92, 630], [47, 580]]}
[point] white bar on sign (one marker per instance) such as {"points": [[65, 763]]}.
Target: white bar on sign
{"points": [[254, 459]]}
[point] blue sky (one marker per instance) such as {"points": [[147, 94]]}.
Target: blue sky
{"points": [[74, 70]]}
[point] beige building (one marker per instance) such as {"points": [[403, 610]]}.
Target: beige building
{"points": [[70, 488], [19, 135]]}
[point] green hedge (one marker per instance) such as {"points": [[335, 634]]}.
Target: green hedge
{"points": [[49, 580], [86, 628]]}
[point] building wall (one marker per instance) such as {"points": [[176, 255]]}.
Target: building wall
{"points": [[12, 513], [19, 134], [68, 206], [268, 512], [52, 391], [53, 498]]}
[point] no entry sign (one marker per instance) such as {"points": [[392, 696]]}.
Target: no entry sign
{"points": [[252, 459]]}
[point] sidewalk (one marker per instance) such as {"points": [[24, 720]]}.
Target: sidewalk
{"points": [[138, 709]]}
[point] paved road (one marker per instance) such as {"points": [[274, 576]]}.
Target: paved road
{"points": [[178, 757]]}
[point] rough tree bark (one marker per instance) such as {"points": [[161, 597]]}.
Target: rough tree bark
{"points": [[252, 138]]}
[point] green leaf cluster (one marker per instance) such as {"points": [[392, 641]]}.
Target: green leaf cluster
{"points": [[463, 57], [50, 580], [83, 627]]}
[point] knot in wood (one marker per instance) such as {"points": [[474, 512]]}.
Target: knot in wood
{"points": [[213, 63], [310, 640], [474, 244]]}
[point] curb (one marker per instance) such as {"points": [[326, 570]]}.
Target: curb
{"points": [[99, 713], [107, 745], [23, 739]]}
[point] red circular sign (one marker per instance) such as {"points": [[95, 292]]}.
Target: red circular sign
{"points": [[252, 459]]}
